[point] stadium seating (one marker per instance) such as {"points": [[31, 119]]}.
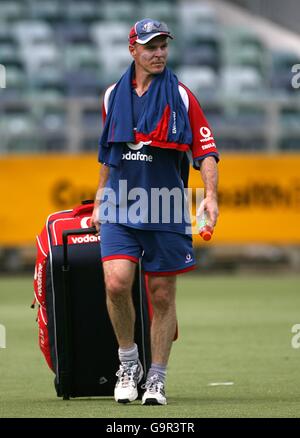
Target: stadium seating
{"points": [[18, 128], [161, 11], [54, 50], [120, 11], [289, 124], [84, 11], [281, 71], [202, 80], [33, 32], [52, 116], [290, 117], [236, 80], [203, 47], [16, 82], [49, 11], [242, 47], [82, 84], [193, 15], [80, 57], [49, 87], [11, 11], [109, 33]]}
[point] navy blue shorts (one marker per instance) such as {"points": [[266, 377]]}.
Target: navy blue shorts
{"points": [[162, 252]]}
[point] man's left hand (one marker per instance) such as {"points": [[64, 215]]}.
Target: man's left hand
{"points": [[210, 206], [212, 210]]}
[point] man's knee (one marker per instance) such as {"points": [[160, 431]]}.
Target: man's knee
{"points": [[162, 293], [161, 299], [118, 277], [116, 286]]}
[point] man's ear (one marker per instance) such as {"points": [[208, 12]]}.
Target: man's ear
{"points": [[131, 50]]}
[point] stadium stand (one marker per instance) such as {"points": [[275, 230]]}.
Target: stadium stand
{"points": [[280, 71], [201, 79], [61, 55], [285, 13]]}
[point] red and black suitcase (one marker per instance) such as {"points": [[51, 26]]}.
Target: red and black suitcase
{"points": [[75, 332]]}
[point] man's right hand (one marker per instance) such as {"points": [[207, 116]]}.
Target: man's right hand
{"points": [[95, 218], [103, 177]]}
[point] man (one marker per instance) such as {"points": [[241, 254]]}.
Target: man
{"points": [[151, 123]]}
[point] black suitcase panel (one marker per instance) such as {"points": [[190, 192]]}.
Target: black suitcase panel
{"points": [[84, 348]]}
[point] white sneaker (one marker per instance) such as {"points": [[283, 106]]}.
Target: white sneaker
{"points": [[129, 375], [155, 392]]}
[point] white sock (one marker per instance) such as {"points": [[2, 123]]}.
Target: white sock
{"points": [[160, 370], [129, 354]]}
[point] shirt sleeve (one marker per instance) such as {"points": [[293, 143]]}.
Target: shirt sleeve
{"points": [[101, 158], [105, 103], [103, 113], [106, 100], [203, 143]]}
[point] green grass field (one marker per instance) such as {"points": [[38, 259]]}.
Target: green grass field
{"points": [[235, 329]]}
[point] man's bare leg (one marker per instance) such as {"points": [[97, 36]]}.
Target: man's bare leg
{"points": [[119, 277], [162, 291]]}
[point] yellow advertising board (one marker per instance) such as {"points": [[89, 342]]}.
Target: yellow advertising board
{"points": [[259, 195], [259, 199], [32, 187]]}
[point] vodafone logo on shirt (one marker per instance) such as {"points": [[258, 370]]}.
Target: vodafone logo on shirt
{"points": [[137, 155], [139, 145], [205, 132], [206, 135]]}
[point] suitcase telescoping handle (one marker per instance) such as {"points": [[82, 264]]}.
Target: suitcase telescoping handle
{"points": [[66, 369]]}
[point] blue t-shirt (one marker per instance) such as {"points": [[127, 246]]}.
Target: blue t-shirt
{"points": [[148, 189]]}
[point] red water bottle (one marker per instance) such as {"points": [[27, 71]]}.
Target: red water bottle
{"points": [[205, 230]]}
